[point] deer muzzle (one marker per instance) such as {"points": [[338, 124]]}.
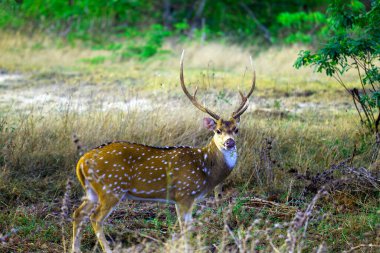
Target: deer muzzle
{"points": [[229, 144]]}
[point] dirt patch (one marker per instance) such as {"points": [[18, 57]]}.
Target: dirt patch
{"points": [[305, 93], [6, 79], [54, 94]]}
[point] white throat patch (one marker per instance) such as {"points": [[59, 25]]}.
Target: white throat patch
{"points": [[230, 157]]}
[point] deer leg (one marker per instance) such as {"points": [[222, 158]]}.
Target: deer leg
{"points": [[101, 213], [178, 216], [185, 218], [184, 214], [218, 193], [79, 216]]}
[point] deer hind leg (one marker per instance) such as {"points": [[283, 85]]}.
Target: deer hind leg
{"points": [[79, 217], [106, 206]]}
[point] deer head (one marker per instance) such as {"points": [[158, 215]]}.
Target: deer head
{"points": [[225, 131]]}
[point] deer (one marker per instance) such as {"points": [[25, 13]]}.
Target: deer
{"points": [[180, 175]]}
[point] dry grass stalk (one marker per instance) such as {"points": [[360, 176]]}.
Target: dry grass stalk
{"points": [[246, 239], [322, 248], [78, 144], [267, 164], [296, 232], [4, 238], [361, 246], [360, 177], [276, 209], [263, 170], [65, 210]]}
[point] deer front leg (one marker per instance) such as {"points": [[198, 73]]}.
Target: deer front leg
{"points": [[184, 209], [218, 193]]}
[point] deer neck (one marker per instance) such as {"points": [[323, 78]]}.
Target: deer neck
{"points": [[219, 162]]}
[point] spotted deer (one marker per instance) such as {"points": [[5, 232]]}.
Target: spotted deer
{"points": [[179, 175]]}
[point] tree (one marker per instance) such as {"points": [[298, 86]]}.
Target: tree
{"points": [[354, 44]]}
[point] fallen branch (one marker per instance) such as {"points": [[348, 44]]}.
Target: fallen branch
{"points": [[362, 246]]}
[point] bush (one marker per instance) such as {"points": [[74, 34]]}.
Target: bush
{"points": [[152, 43], [354, 44], [301, 26]]}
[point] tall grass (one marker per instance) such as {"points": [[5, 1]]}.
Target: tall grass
{"points": [[38, 149]]}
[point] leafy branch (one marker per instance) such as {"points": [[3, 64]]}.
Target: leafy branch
{"points": [[354, 44]]}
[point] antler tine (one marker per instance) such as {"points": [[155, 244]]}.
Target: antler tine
{"points": [[243, 106], [192, 97]]}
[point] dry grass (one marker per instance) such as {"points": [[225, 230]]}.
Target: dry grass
{"points": [[309, 123], [37, 146], [40, 53], [20, 52]]}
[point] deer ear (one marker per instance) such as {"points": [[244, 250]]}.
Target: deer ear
{"points": [[209, 123]]}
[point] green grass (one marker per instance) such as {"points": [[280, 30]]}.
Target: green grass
{"points": [[38, 155]]}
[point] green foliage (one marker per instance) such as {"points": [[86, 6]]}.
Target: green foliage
{"points": [[301, 26], [238, 20], [79, 17], [152, 43], [298, 37], [95, 60], [277, 104], [223, 96], [298, 19], [8, 9], [181, 27], [354, 44]]}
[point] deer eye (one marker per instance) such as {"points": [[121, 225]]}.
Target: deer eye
{"points": [[236, 131], [218, 131]]}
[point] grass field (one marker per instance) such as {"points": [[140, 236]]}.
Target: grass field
{"points": [[299, 124]]}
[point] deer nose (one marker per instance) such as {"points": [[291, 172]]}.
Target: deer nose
{"points": [[230, 143]]}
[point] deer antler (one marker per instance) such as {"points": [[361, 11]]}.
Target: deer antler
{"points": [[192, 97], [243, 105]]}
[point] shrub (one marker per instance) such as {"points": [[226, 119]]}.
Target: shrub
{"points": [[152, 43], [353, 44], [301, 26]]}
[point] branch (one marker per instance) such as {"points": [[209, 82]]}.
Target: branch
{"points": [[265, 30], [362, 246], [357, 109], [377, 122], [198, 14], [360, 76], [339, 80]]}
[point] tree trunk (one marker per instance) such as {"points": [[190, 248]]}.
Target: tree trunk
{"points": [[261, 27], [168, 18], [197, 20]]}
